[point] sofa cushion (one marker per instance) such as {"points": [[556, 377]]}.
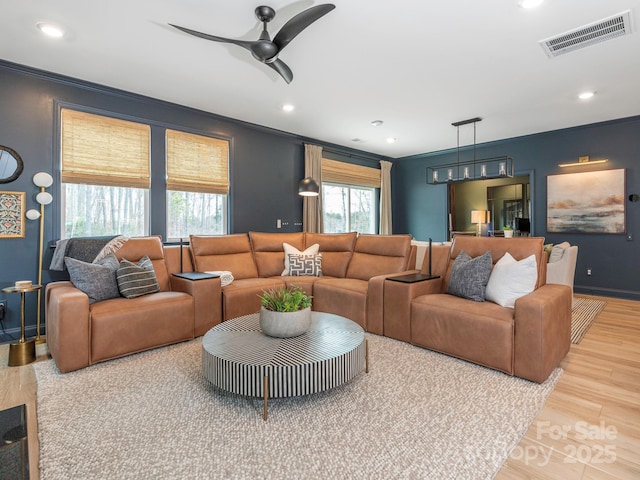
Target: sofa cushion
{"points": [[269, 253], [242, 297], [336, 249], [226, 252], [136, 280], [481, 332], [557, 251], [469, 276], [511, 279], [379, 255], [346, 297], [97, 280], [305, 265], [290, 251]]}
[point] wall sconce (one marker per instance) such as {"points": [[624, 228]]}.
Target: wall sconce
{"points": [[42, 180], [478, 217], [582, 162], [308, 187]]}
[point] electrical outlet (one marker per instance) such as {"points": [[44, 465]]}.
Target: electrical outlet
{"points": [[3, 308], [588, 272], [629, 237]]}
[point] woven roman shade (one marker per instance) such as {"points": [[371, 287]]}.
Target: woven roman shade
{"points": [[196, 163], [350, 174], [99, 150]]}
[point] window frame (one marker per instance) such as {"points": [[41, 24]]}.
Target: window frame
{"points": [[374, 210], [60, 184]]}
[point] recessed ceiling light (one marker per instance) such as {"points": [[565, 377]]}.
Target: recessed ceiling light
{"points": [[586, 95], [288, 107], [50, 30], [392, 140], [377, 123], [530, 3]]}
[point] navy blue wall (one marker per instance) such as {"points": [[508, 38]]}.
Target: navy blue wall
{"points": [[265, 165], [421, 209]]}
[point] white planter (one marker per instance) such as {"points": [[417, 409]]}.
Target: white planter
{"points": [[285, 324], [508, 233]]}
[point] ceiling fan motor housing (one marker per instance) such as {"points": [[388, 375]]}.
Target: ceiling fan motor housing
{"points": [[265, 14]]}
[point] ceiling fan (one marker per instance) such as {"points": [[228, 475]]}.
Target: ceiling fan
{"points": [[264, 49]]}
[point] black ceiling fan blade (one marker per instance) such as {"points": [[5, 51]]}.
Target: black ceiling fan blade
{"points": [[206, 36], [282, 68], [298, 23]]}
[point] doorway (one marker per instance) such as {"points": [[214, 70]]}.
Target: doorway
{"points": [[507, 200]]}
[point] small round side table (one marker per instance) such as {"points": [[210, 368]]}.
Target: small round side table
{"points": [[24, 351]]}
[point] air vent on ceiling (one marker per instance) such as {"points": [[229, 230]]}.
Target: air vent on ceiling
{"points": [[597, 32]]}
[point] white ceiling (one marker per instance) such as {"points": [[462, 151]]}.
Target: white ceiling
{"points": [[418, 65]]}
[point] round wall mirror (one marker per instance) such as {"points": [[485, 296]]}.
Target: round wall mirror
{"points": [[10, 165]]}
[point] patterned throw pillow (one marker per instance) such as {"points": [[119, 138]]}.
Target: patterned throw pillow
{"points": [[135, 280], [469, 276], [305, 265], [97, 280], [291, 250]]}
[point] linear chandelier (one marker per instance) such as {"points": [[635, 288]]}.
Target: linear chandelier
{"points": [[475, 169]]}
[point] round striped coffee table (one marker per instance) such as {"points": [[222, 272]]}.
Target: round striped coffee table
{"points": [[238, 358]]}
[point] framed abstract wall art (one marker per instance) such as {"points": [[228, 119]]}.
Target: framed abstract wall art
{"points": [[12, 214], [586, 202]]}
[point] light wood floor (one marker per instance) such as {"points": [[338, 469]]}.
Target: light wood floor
{"points": [[589, 428]]}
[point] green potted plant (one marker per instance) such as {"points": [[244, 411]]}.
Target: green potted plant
{"points": [[285, 312], [508, 231]]}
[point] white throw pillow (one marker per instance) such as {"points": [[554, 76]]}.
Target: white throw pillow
{"points": [[291, 250], [558, 251], [511, 279]]}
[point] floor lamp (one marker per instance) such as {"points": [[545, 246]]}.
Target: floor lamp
{"points": [[42, 180]]}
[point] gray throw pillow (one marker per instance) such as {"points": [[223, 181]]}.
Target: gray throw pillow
{"points": [[305, 265], [97, 280], [469, 276], [135, 280]]}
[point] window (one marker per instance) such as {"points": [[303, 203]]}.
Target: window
{"points": [[197, 184], [105, 175], [348, 208], [349, 199]]}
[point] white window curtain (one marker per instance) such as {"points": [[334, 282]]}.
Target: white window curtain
{"points": [[312, 206], [386, 225]]}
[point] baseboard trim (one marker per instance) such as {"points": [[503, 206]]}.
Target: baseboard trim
{"points": [[607, 292]]}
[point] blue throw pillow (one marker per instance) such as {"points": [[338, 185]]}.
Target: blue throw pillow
{"points": [[469, 276]]}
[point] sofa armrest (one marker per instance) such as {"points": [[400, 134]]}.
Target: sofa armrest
{"points": [[397, 304], [207, 300], [542, 331], [68, 330], [376, 299]]}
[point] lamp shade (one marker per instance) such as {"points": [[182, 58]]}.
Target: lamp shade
{"points": [[308, 187], [478, 216], [42, 179], [44, 198], [33, 214]]}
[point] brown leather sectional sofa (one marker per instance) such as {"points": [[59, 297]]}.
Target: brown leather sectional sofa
{"points": [[528, 341], [80, 334]]}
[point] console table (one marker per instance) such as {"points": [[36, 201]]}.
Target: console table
{"points": [[237, 357]]}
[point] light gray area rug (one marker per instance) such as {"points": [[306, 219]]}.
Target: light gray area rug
{"points": [[584, 311], [415, 415]]}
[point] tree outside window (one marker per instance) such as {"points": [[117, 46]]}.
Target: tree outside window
{"points": [[348, 208]]}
